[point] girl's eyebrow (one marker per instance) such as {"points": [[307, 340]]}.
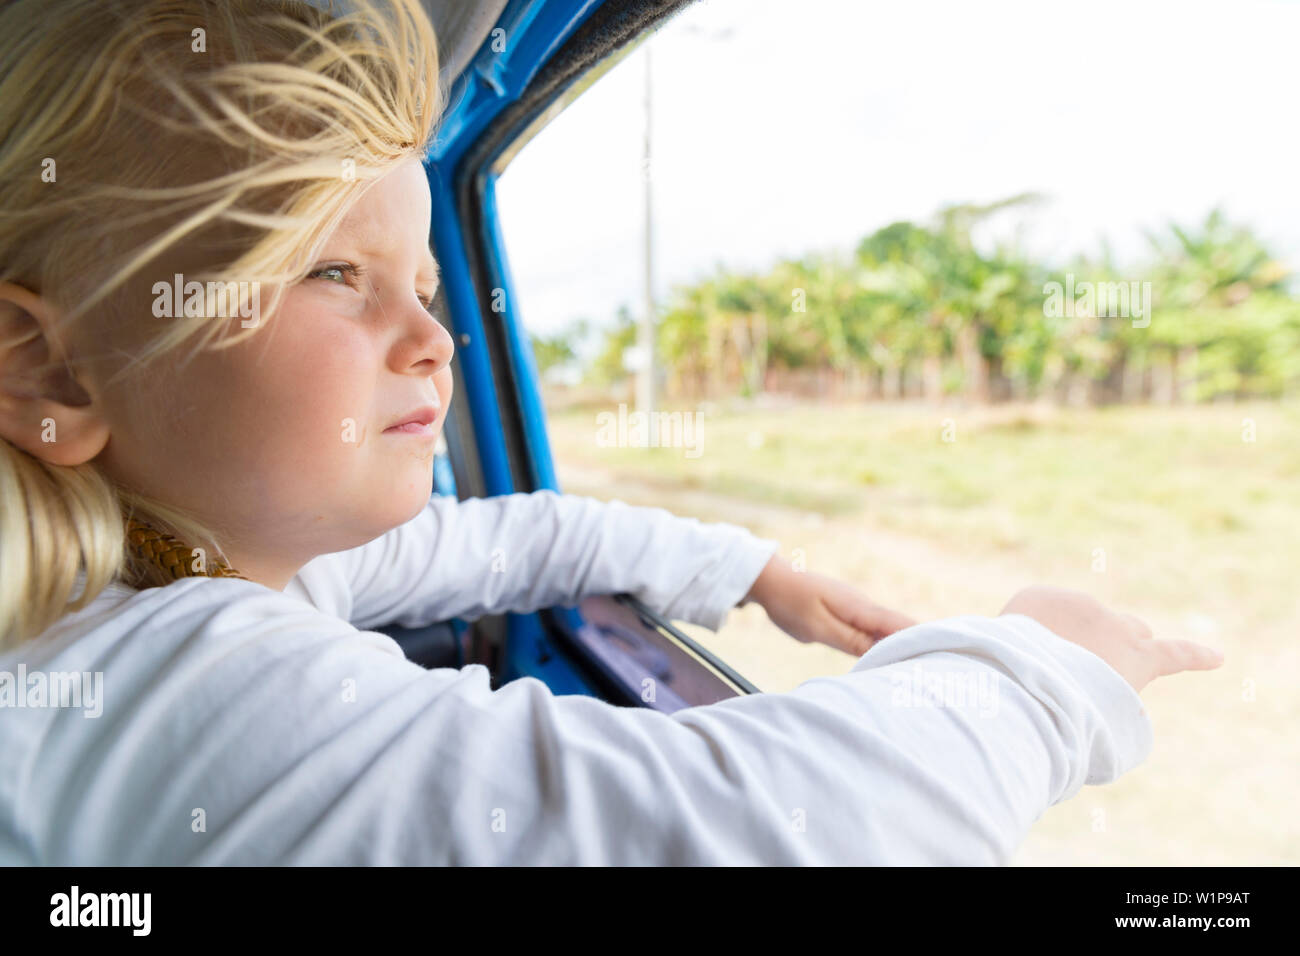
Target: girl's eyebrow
{"points": [[429, 267]]}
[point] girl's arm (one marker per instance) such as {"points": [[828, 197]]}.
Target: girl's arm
{"points": [[250, 728], [525, 551]]}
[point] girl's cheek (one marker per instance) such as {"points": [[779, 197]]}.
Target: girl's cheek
{"points": [[323, 369]]}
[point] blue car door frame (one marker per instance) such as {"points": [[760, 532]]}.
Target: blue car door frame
{"points": [[487, 111]]}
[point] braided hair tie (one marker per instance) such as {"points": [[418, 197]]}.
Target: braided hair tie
{"points": [[171, 555]]}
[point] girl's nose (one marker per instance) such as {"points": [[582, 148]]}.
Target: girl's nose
{"points": [[426, 346]]}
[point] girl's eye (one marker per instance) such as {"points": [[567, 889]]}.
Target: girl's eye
{"points": [[353, 274]]}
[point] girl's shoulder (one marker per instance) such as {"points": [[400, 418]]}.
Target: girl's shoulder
{"points": [[121, 622]]}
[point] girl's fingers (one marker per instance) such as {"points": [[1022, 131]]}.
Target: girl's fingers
{"points": [[887, 621], [867, 616], [848, 636], [1177, 655]]}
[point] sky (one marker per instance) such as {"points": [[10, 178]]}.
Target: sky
{"points": [[781, 128]]}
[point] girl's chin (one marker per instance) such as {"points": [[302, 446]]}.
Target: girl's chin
{"points": [[412, 495]]}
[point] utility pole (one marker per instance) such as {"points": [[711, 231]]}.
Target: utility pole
{"points": [[645, 384]]}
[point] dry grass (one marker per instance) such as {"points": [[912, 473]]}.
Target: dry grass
{"points": [[1201, 537]]}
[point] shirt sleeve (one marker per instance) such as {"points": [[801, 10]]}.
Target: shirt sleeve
{"points": [[295, 739], [525, 551]]}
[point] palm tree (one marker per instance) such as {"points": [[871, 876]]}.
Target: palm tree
{"points": [[965, 303], [1199, 275]]}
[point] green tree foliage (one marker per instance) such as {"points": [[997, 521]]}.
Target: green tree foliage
{"points": [[918, 309]]}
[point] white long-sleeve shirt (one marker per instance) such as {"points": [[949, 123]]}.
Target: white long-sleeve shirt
{"points": [[241, 725]]}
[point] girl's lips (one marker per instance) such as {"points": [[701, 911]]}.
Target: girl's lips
{"points": [[417, 422], [411, 428]]}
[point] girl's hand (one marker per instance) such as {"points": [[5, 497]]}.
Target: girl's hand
{"points": [[1121, 640], [813, 607]]}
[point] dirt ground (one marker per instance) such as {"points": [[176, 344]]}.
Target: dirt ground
{"points": [[1221, 781]]}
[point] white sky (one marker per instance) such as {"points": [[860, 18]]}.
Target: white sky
{"points": [[786, 126]]}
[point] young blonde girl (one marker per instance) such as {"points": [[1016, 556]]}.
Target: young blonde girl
{"points": [[209, 498]]}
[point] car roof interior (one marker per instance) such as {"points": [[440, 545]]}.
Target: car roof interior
{"points": [[462, 28]]}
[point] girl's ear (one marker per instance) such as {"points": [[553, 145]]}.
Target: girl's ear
{"points": [[43, 408]]}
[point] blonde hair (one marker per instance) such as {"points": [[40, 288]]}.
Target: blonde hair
{"points": [[219, 139]]}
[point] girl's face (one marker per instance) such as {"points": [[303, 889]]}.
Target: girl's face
{"points": [[284, 440]]}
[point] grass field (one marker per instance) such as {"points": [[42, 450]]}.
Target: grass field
{"points": [[1188, 517]]}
